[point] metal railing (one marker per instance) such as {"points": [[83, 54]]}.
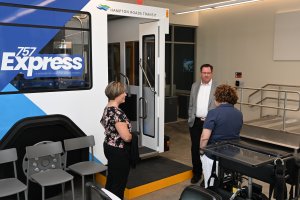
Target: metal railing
{"points": [[279, 99], [276, 85]]}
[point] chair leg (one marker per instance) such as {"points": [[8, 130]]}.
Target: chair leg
{"points": [[25, 194], [72, 186], [27, 190], [82, 185], [43, 193], [63, 190], [18, 196]]}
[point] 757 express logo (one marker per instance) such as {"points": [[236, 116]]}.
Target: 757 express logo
{"points": [[41, 65]]}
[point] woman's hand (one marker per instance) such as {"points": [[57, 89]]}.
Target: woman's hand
{"points": [[122, 129]]}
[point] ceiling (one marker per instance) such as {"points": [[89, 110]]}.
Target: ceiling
{"points": [[188, 3]]}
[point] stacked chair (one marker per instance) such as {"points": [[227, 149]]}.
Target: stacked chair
{"points": [[45, 166], [86, 167], [11, 186]]}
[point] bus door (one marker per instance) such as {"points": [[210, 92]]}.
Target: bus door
{"points": [[148, 84]]}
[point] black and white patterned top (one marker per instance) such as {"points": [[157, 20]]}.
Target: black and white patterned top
{"points": [[111, 116]]}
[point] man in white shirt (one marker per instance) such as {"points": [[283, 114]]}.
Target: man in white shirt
{"points": [[201, 101]]}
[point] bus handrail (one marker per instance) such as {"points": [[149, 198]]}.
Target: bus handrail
{"points": [[141, 62]]}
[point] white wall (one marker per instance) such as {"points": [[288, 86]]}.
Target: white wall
{"points": [[241, 39], [129, 27]]}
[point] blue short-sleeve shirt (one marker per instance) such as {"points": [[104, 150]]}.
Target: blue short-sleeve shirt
{"points": [[225, 121]]}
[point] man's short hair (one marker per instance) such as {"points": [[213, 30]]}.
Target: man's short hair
{"points": [[206, 65]]}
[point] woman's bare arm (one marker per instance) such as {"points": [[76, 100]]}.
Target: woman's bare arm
{"points": [[122, 129]]}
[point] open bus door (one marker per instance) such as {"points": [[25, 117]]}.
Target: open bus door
{"points": [[148, 86]]}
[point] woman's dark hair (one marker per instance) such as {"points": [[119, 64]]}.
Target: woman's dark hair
{"points": [[226, 93], [114, 89]]}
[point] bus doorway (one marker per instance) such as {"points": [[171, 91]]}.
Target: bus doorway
{"points": [[134, 58]]}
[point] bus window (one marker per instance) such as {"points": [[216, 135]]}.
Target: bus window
{"points": [[51, 52]]}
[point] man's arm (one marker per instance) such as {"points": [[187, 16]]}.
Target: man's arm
{"points": [[206, 133], [191, 102], [211, 103]]}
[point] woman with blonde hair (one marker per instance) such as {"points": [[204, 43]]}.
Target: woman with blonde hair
{"points": [[117, 132]]}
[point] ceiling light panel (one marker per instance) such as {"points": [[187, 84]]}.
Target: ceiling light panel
{"points": [[216, 5]]}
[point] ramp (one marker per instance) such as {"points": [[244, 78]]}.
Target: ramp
{"points": [[267, 135], [276, 123], [153, 174]]}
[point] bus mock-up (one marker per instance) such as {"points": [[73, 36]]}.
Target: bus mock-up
{"points": [[55, 66]]}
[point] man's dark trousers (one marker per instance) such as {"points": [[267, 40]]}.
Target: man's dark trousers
{"points": [[195, 133]]}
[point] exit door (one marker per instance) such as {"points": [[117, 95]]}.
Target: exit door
{"points": [[148, 84]]}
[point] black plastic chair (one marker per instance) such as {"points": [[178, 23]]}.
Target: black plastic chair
{"points": [[195, 192], [102, 193], [11, 186], [45, 167], [86, 167]]}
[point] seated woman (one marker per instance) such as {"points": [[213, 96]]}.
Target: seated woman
{"points": [[222, 123]]}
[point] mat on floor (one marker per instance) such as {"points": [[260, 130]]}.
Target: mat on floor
{"points": [[153, 174]]}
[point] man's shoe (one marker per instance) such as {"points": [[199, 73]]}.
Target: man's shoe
{"points": [[195, 179]]}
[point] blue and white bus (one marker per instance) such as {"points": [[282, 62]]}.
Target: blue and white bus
{"points": [[54, 69]]}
